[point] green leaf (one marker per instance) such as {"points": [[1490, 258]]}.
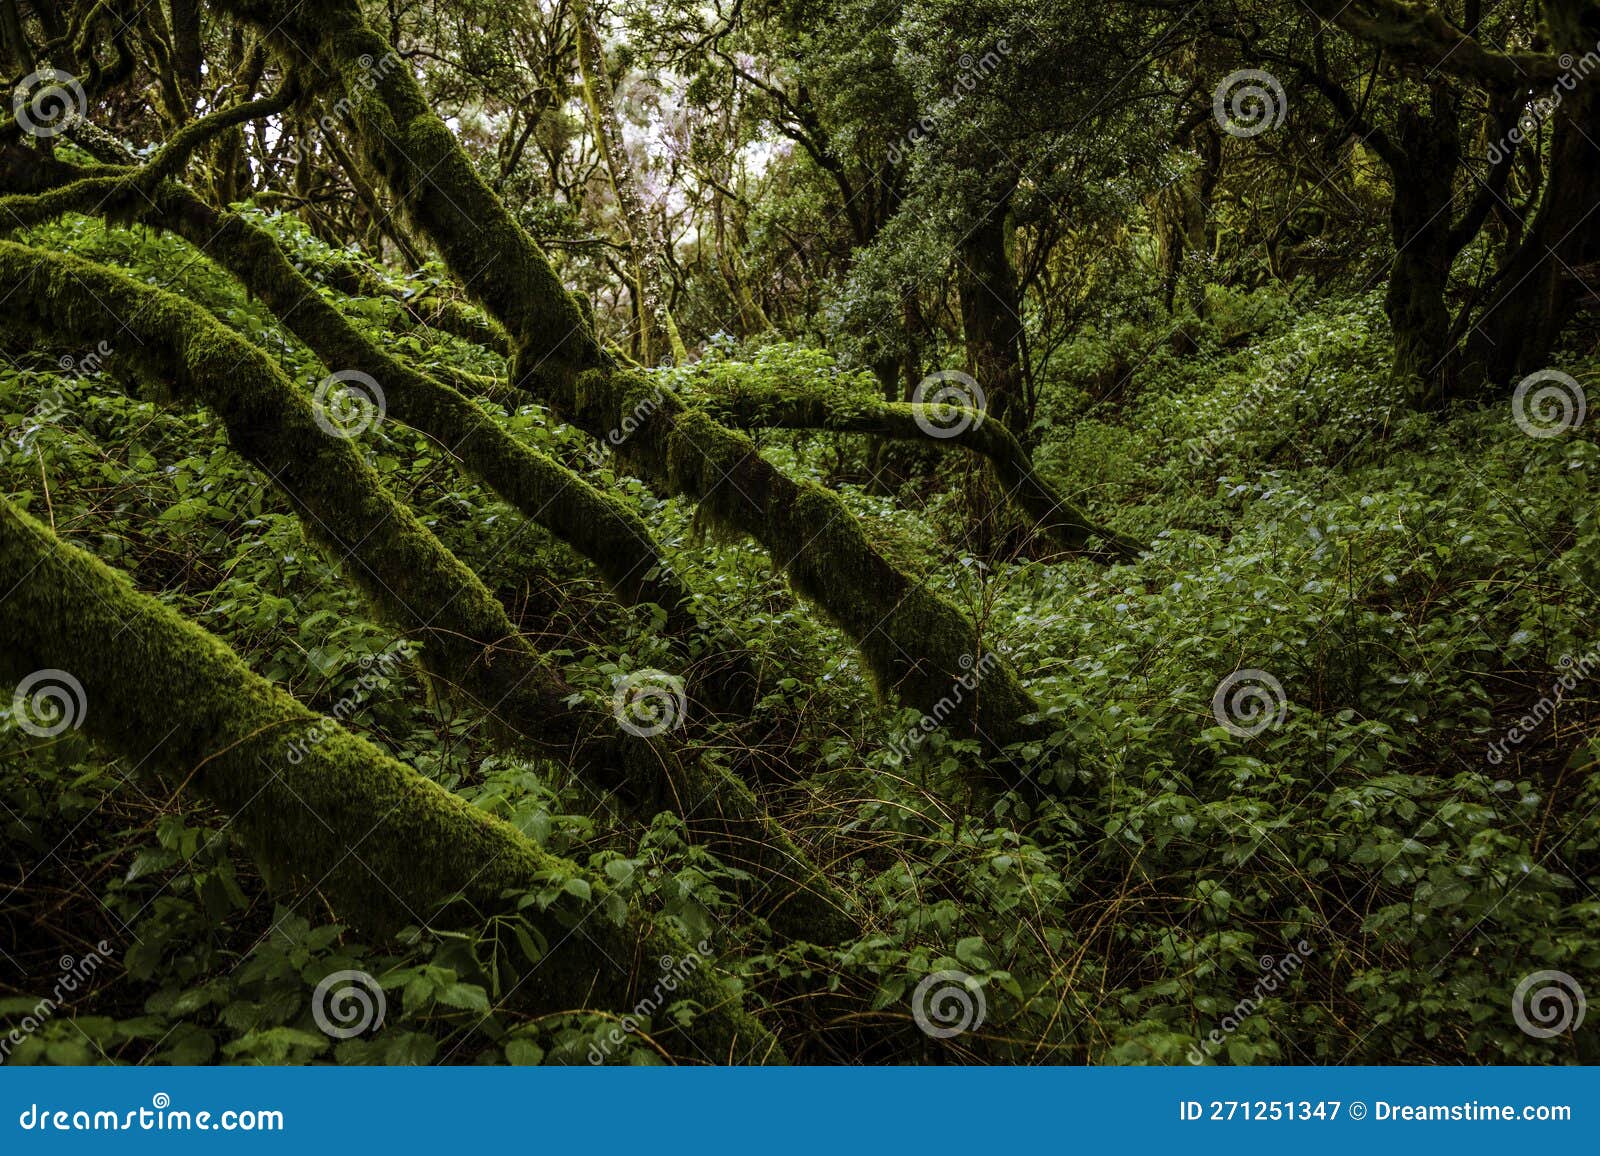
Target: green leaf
{"points": [[467, 996], [523, 1053]]}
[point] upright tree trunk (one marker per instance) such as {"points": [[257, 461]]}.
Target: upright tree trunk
{"points": [[16, 51], [1424, 170], [230, 166], [991, 319], [1536, 291], [736, 274], [1535, 294], [188, 50], [658, 332], [1187, 206], [991, 325]]}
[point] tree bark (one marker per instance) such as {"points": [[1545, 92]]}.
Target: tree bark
{"points": [[388, 847], [1536, 292], [1424, 164], [912, 640], [991, 320], [1068, 527], [410, 579], [658, 332]]}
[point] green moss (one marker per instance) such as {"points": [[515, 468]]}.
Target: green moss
{"points": [[748, 406], [599, 526], [913, 641], [408, 576], [385, 845]]}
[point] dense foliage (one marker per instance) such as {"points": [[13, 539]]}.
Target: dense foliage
{"points": [[1193, 337]]}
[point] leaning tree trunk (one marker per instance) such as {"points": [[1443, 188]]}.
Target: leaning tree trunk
{"points": [[748, 406], [913, 641], [388, 847], [599, 526], [408, 576]]}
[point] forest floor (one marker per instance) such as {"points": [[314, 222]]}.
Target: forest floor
{"points": [[1290, 773]]}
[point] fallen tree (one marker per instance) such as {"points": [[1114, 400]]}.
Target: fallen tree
{"points": [[749, 407], [599, 526]]}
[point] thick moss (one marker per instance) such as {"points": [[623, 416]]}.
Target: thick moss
{"points": [[598, 525], [385, 845], [414, 582], [408, 576], [913, 641]]}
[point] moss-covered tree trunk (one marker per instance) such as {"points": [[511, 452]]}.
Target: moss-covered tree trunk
{"points": [[991, 327], [598, 526], [1424, 164], [913, 641], [385, 845], [991, 319], [408, 576], [1535, 292], [1052, 514]]}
